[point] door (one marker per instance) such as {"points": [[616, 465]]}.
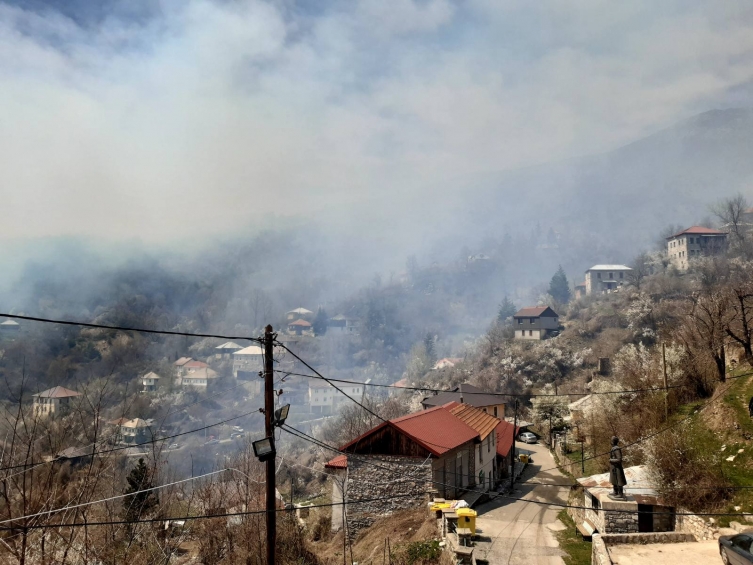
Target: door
{"points": [[645, 518]]}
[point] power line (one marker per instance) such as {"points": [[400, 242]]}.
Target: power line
{"points": [[116, 497], [123, 328], [464, 393]]}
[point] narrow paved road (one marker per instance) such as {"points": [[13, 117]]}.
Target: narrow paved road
{"points": [[514, 532]]}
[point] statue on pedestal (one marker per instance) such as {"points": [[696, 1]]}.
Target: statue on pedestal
{"points": [[616, 473]]}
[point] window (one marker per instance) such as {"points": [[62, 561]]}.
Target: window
{"points": [[481, 453], [611, 275], [594, 502], [520, 321], [598, 275], [489, 442], [742, 541], [622, 275], [530, 332], [495, 411]]}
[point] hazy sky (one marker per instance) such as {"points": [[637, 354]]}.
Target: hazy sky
{"points": [[181, 118]]}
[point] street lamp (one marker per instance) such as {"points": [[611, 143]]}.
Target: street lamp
{"points": [[264, 449]]}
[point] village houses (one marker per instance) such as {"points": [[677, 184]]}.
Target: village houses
{"points": [[323, 398], [132, 431], [605, 278], [535, 322], [247, 362], [299, 314], [150, 381], [54, 401], [470, 395], [226, 350], [694, 242]]}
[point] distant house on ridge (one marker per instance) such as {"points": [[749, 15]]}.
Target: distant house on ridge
{"points": [[535, 322]]}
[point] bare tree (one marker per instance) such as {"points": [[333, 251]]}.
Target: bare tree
{"points": [[731, 214]]}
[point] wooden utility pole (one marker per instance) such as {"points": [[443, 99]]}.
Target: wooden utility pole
{"points": [[666, 388], [514, 432], [269, 429]]}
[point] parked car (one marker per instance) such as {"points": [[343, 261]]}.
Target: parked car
{"points": [[211, 442], [528, 437], [237, 429], [174, 446], [236, 434], [735, 550]]}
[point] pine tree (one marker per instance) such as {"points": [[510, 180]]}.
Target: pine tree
{"points": [[559, 288], [320, 322], [506, 310], [141, 499], [431, 354]]}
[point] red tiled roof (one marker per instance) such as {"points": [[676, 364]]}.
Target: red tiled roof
{"points": [[505, 437], [476, 418], [436, 429], [698, 230], [339, 462], [196, 365], [533, 312], [57, 392], [302, 323]]}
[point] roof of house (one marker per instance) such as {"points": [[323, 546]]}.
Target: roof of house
{"points": [[447, 362], [469, 394], [506, 433], [74, 452], [203, 373], [193, 364], [639, 485], [697, 230], [229, 345], [182, 361], [300, 311], [535, 312], [436, 430], [119, 421], [316, 383], [57, 392], [300, 322], [402, 383], [339, 462], [476, 418], [610, 268], [250, 350], [581, 403], [9, 323], [151, 375], [135, 423]]}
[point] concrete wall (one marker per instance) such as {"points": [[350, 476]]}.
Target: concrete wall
{"points": [[601, 542], [528, 334], [407, 479]]}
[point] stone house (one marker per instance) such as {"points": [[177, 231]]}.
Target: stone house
{"points": [[54, 401], [248, 360], [226, 350], [605, 278], [300, 327], [470, 395], [643, 511], [134, 432], [298, 314], [535, 322], [323, 398], [692, 243], [398, 461], [150, 381], [196, 377]]}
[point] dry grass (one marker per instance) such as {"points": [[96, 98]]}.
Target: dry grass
{"points": [[369, 547]]}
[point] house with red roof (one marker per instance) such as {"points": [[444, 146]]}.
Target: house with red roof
{"points": [[692, 243], [535, 322], [300, 327], [446, 450], [54, 401]]}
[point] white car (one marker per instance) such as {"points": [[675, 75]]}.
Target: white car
{"points": [[528, 437]]}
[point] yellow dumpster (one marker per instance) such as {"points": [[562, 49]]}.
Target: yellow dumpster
{"points": [[523, 458], [467, 519]]}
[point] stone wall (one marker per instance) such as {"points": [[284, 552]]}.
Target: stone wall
{"points": [[599, 553], [620, 522], [395, 483], [692, 524], [647, 537]]}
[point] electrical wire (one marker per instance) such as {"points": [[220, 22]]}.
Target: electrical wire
{"points": [[122, 328]]}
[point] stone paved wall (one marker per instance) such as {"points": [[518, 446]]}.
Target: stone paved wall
{"points": [[599, 553], [620, 522], [397, 483], [647, 537], [700, 528]]}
